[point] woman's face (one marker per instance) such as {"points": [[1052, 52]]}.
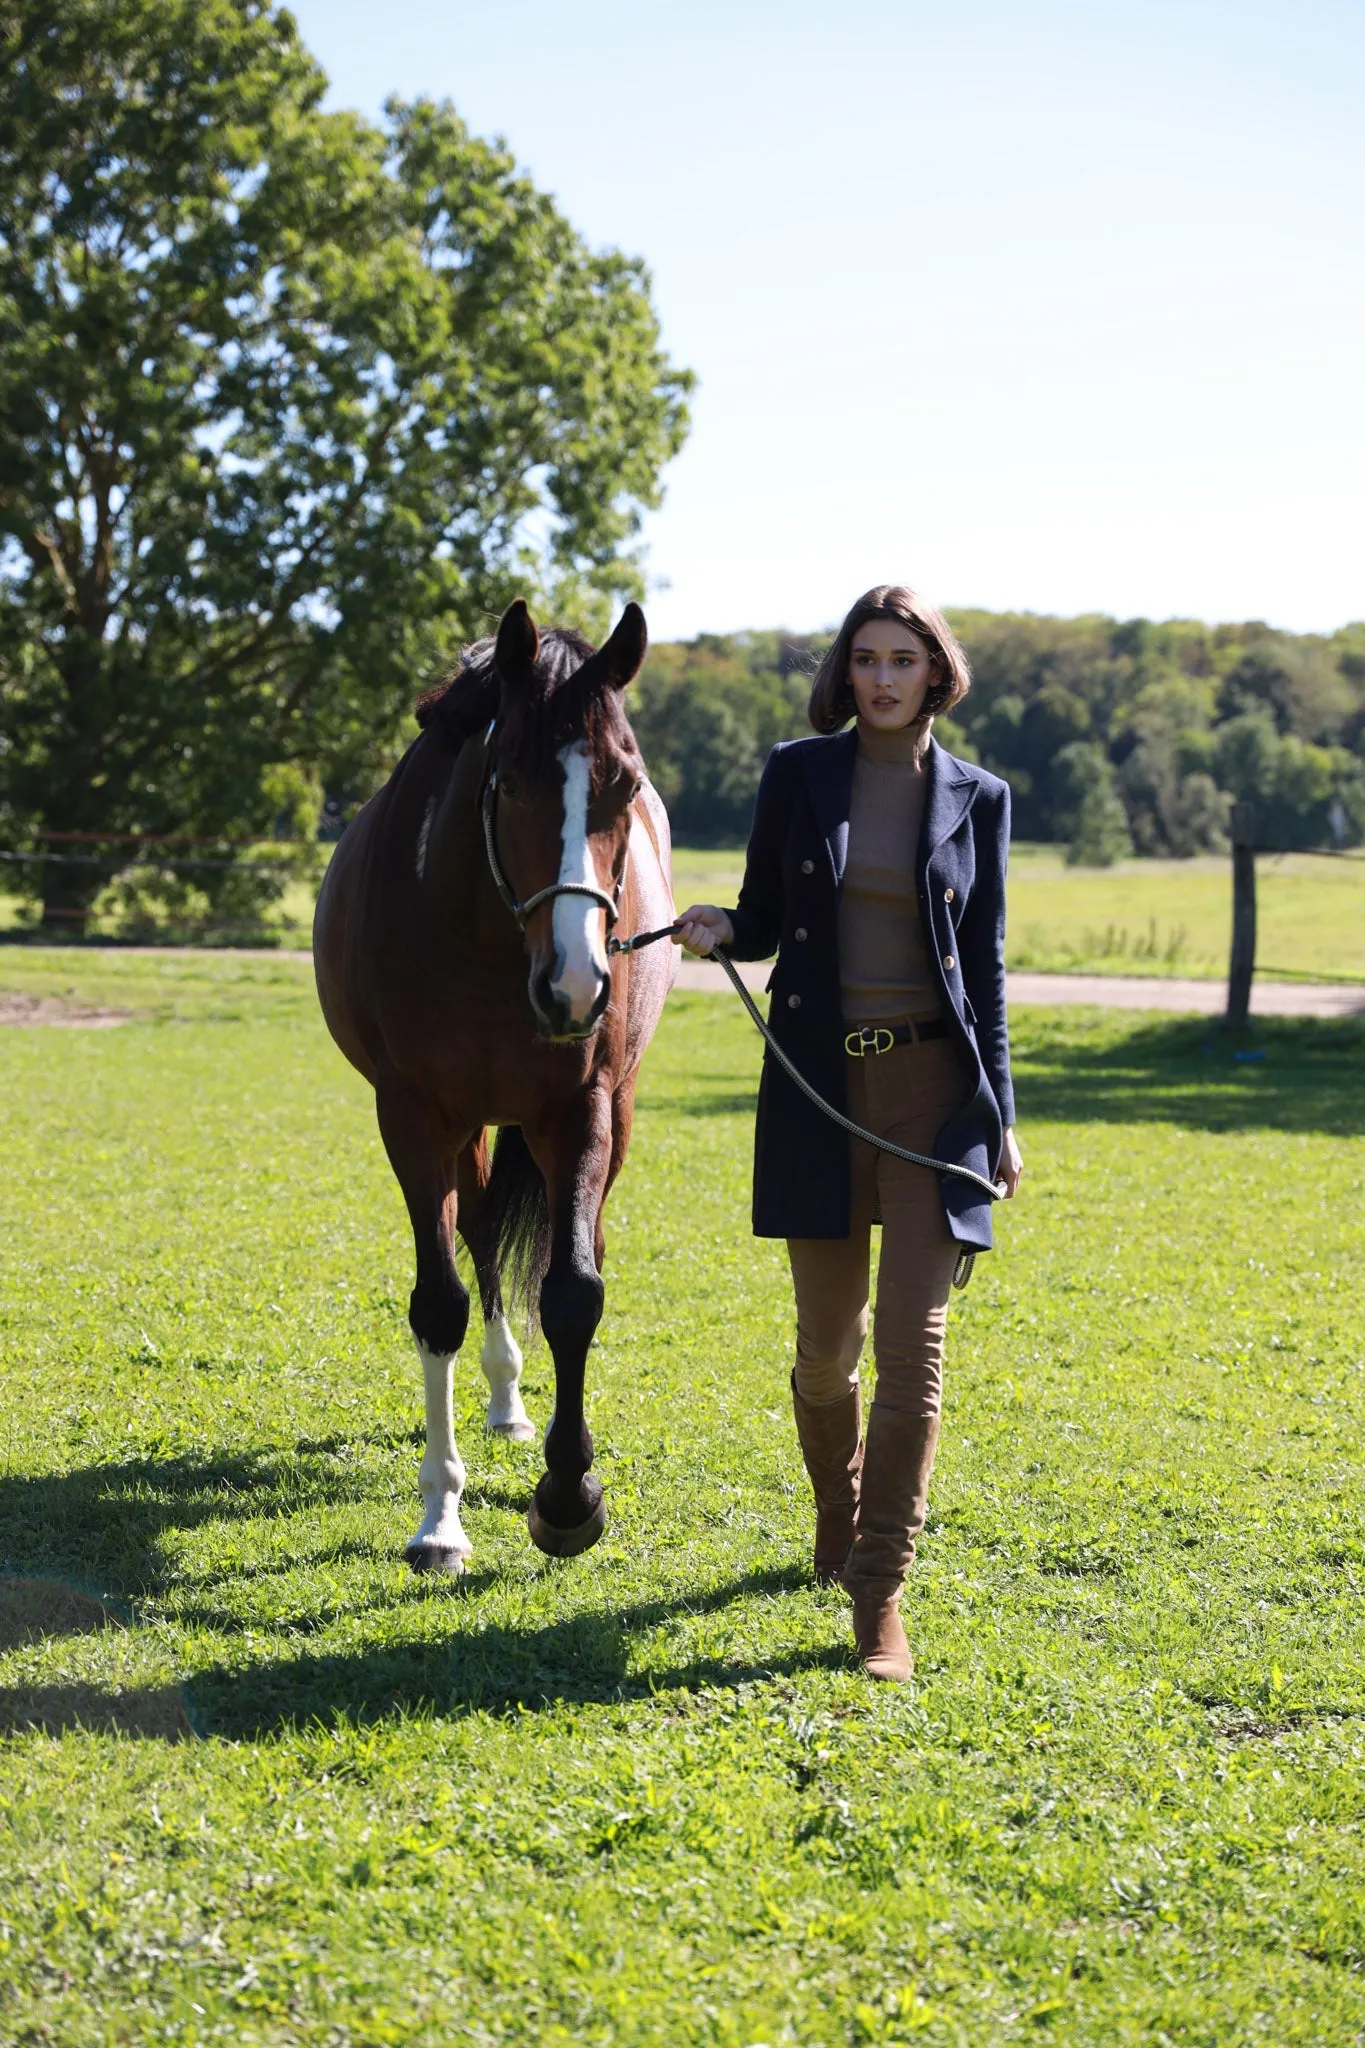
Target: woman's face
{"points": [[890, 672]]}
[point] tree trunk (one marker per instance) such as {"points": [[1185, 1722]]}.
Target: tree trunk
{"points": [[1242, 962]]}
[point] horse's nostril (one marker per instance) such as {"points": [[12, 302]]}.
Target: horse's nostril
{"points": [[544, 1001]]}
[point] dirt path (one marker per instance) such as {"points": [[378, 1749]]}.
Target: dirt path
{"points": [[1119, 992], [17, 1009], [1207, 998]]}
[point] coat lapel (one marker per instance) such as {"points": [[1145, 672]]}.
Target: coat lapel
{"points": [[829, 772], [947, 800]]}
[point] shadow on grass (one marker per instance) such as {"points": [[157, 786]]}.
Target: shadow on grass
{"points": [[36, 1611], [103, 1524], [739, 1102], [583, 1659], [147, 1712], [1285, 1073], [1293, 1074]]}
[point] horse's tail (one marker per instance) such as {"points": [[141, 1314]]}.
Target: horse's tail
{"points": [[519, 1216]]}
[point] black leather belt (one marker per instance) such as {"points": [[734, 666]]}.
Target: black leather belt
{"points": [[879, 1038]]}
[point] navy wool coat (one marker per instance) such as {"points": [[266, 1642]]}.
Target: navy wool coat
{"points": [[789, 903]]}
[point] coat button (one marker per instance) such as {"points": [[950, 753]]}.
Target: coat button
{"points": [[793, 1002], [949, 962], [948, 895], [808, 867], [801, 932]]}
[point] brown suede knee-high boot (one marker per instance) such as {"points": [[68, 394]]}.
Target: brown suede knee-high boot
{"points": [[830, 1439], [895, 1498]]}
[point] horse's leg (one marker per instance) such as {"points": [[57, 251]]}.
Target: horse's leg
{"points": [[567, 1512], [438, 1313], [622, 1117], [501, 1355]]}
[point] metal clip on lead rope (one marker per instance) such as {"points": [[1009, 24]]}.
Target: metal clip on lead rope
{"points": [[640, 939]]}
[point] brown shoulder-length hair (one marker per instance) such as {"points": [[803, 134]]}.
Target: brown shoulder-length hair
{"points": [[831, 696]]}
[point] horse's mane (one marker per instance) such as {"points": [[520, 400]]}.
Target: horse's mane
{"points": [[538, 722]]}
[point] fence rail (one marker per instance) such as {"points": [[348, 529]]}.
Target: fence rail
{"points": [[166, 838], [1347, 853], [122, 864], [128, 854]]}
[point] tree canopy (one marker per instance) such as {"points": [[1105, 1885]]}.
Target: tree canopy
{"points": [[293, 404]]}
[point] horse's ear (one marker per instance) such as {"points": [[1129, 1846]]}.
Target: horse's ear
{"points": [[518, 643], [623, 656]]}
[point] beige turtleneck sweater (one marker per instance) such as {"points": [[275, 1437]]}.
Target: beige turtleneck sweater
{"points": [[884, 967]]}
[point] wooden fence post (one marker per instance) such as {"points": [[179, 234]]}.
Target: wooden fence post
{"points": [[1242, 962]]}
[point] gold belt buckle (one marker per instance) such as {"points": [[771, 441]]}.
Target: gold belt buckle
{"points": [[869, 1040]]}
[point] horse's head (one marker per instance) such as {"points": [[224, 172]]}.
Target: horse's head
{"points": [[564, 769]]}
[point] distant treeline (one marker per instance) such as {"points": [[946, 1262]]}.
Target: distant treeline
{"points": [[1114, 736]]}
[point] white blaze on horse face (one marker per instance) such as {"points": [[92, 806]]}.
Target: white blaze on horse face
{"points": [[580, 962], [440, 1544]]}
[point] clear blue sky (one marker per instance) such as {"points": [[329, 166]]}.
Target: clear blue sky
{"points": [[1056, 307]]}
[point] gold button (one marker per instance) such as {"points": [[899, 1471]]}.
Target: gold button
{"points": [[949, 962], [947, 895], [793, 1002], [808, 867], [801, 932]]}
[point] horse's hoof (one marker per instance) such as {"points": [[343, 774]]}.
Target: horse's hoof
{"points": [[436, 1557], [557, 1542], [520, 1432]]}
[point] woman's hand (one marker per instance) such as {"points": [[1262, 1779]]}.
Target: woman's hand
{"points": [[1011, 1163], [702, 927]]}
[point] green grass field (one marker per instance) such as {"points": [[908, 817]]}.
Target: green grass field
{"points": [[1162, 917], [640, 1797], [1152, 917]]}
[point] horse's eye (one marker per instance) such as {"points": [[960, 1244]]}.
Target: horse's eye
{"points": [[510, 787]]}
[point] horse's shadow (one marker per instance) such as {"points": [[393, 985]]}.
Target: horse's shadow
{"points": [[104, 1526], [107, 1528], [585, 1658]]}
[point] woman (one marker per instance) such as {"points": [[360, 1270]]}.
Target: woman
{"points": [[876, 871]]}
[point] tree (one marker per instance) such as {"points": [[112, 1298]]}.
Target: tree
{"points": [[1199, 821], [1093, 810], [1296, 678], [292, 404], [706, 715], [1185, 712], [1172, 807]]}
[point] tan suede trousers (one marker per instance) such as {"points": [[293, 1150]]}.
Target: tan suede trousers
{"points": [[906, 1095]]}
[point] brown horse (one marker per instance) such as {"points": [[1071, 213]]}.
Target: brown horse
{"points": [[462, 965]]}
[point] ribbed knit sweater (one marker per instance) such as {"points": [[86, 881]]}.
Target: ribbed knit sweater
{"points": [[883, 963]]}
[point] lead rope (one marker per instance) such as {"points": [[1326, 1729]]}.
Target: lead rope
{"points": [[994, 1189]]}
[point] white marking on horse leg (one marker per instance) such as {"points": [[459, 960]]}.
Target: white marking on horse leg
{"points": [[580, 963], [501, 1362], [440, 1544], [424, 835]]}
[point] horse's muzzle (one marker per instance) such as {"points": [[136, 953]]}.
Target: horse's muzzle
{"points": [[558, 1016]]}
